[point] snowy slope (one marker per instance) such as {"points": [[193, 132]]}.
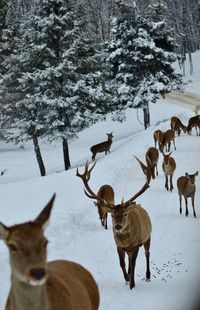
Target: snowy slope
{"points": [[75, 232]]}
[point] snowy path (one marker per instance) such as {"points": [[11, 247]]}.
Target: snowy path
{"points": [[184, 99]]}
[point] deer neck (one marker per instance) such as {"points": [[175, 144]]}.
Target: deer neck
{"points": [[23, 296]]}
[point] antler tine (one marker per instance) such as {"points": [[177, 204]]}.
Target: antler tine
{"points": [[85, 176], [143, 189]]}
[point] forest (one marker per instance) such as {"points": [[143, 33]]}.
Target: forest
{"points": [[65, 65]]}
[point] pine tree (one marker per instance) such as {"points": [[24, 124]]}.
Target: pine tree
{"points": [[58, 76], [141, 57]]}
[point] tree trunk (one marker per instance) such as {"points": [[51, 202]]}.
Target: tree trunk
{"points": [[38, 156], [66, 154], [191, 64], [146, 113]]}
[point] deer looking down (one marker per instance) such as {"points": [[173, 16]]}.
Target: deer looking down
{"points": [[169, 136], [194, 122], [151, 156], [168, 166], [158, 136], [38, 285], [187, 188], [177, 125], [131, 229], [105, 193], [102, 147]]}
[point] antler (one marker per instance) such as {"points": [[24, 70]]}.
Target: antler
{"points": [[143, 189], [145, 169], [85, 178]]}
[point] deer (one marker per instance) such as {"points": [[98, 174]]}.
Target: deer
{"points": [[177, 125], [169, 136], [151, 156], [131, 227], [194, 122], [40, 285], [102, 147], [187, 188], [105, 193], [168, 166], [158, 136]]}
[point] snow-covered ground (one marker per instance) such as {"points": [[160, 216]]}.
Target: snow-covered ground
{"points": [[75, 232]]}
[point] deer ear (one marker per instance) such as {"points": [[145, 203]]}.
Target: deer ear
{"points": [[196, 173], [43, 218], [4, 232]]}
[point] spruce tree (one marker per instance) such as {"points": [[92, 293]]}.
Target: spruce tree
{"points": [[59, 76], [141, 54]]}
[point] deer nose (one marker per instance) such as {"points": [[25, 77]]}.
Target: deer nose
{"points": [[38, 273], [118, 227]]}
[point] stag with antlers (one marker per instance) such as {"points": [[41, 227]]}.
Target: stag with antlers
{"points": [[131, 227]]}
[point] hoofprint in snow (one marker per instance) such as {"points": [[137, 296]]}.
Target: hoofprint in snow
{"points": [[75, 232]]}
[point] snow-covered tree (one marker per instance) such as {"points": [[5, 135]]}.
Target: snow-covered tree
{"points": [[59, 76], [141, 57]]}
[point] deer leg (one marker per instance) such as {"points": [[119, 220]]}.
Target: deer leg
{"points": [[166, 183], [105, 222], [192, 198], [132, 257], [171, 184], [147, 254], [186, 206], [180, 199], [121, 254], [174, 144], [156, 170], [93, 156]]}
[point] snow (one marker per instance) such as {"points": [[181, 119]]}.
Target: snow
{"points": [[75, 232]]}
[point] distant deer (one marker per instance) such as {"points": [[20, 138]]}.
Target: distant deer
{"points": [[194, 122], [38, 285], [169, 136], [105, 193], [168, 166], [131, 229], [102, 147], [158, 136], [177, 125], [187, 188], [151, 156]]}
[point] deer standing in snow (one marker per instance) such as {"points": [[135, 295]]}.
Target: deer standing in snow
{"points": [[105, 193], [177, 125], [169, 136], [38, 285], [102, 147], [131, 229], [187, 188], [168, 166], [158, 136], [150, 168]]}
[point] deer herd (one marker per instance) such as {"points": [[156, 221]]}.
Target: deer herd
{"points": [[61, 284]]}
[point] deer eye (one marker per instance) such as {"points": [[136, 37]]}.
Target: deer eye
{"points": [[12, 247], [125, 214]]}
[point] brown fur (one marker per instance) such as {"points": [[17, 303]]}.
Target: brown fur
{"points": [[102, 147], [130, 232], [187, 188], [38, 285], [177, 125], [168, 166], [194, 122], [158, 136], [169, 136], [151, 157], [107, 194]]}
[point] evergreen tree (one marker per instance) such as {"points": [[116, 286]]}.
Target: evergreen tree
{"points": [[58, 76], [141, 57]]}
